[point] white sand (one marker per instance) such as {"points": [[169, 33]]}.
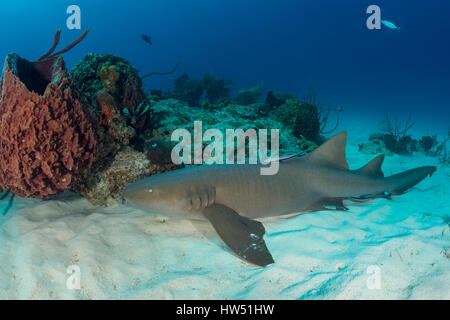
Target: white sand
{"points": [[124, 253]]}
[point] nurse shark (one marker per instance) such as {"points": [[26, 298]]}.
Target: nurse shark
{"points": [[231, 197]]}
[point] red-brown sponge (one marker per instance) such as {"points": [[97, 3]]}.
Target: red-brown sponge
{"points": [[45, 138]]}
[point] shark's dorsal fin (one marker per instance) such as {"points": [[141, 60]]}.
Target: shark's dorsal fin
{"points": [[373, 168], [331, 153]]}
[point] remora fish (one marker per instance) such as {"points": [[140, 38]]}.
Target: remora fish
{"points": [[232, 196], [390, 25]]}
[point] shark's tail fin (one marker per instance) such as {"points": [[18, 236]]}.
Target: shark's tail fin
{"points": [[332, 154], [399, 183]]}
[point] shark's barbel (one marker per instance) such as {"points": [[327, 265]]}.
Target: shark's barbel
{"points": [[232, 196]]}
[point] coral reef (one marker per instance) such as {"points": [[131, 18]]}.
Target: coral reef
{"points": [[156, 94], [206, 105], [94, 130], [375, 145], [109, 76], [171, 114], [324, 114], [217, 90], [102, 186], [389, 144], [188, 90], [396, 129], [133, 131], [402, 145], [112, 138], [45, 139], [111, 81], [139, 116], [160, 154], [427, 143], [432, 147], [275, 99], [250, 95], [394, 138], [302, 117], [399, 142], [115, 74], [119, 110], [110, 122]]}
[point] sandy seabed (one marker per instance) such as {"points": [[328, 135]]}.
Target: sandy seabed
{"points": [[386, 249]]}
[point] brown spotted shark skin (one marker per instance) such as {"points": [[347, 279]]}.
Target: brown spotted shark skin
{"points": [[232, 196]]}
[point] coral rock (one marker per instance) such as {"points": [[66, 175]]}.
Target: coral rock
{"points": [[217, 90], [115, 74], [188, 90], [109, 77], [302, 117], [172, 114], [45, 139], [374, 146], [250, 95], [127, 167], [275, 99]]}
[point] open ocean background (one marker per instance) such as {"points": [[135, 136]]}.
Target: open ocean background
{"points": [[289, 45]]}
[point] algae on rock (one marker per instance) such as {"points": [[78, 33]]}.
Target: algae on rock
{"points": [[172, 114], [302, 117], [107, 184]]}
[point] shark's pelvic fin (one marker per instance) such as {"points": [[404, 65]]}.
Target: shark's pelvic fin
{"points": [[367, 197], [331, 153], [373, 168], [242, 235], [330, 204]]}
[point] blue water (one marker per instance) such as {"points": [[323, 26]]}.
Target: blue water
{"points": [[289, 45]]}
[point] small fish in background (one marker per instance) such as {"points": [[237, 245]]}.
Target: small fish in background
{"points": [[390, 25], [147, 39]]}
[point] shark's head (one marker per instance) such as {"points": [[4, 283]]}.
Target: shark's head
{"points": [[159, 194]]}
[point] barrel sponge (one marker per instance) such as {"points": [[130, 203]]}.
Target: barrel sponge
{"points": [[45, 139]]}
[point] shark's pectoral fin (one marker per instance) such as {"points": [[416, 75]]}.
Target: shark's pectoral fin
{"points": [[242, 235]]}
